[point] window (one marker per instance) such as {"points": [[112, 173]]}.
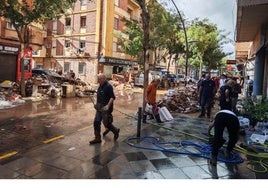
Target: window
{"points": [[116, 23], [83, 21], [54, 25], [114, 47], [66, 66], [83, 2], [67, 44], [82, 44], [68, 23], [116, 3], [81, 68], [9, 25]]}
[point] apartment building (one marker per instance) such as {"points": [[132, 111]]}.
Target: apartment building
{"points": [[251, 42], [10, 50], [85, 41]]}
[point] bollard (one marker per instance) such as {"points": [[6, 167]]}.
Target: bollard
{"points": [[139, 123]]}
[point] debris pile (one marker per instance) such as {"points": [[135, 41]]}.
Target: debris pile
{"points": [[181, 100], [41, 87]]}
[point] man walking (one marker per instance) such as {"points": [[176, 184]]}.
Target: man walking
{"points": [[104, 109], [207, 92]]}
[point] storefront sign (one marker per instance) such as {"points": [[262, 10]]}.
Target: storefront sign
{"points": [[116, 61], [9, 49]]}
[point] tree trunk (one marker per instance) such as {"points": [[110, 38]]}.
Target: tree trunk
{"points": [[145, 26], [22, 81]]}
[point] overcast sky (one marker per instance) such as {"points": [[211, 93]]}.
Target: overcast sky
{"points": [[220, 12]]}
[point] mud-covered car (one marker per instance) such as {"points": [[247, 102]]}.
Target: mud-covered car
{"points": [[51, 75]]}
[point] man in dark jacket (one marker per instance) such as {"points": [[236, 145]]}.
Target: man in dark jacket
{"points": [[207, 92], [104, 109], [226, 96]]}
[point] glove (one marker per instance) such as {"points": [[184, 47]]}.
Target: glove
{"points": [[105, 108]]}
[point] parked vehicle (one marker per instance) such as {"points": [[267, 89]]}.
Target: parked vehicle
{"points": [[139, 79], [172, 78], [181, 78], [51, 75], [189, 79]]}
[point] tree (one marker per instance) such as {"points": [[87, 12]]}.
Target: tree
{"points": [[164, 29], [23, 13], [207, 49], [131, 42], [146, 44]]}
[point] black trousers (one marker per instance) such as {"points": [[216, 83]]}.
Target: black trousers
{"points": [[107, 119], [225, 120]]}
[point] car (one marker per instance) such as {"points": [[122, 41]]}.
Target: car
{"points": [[172, 78], [181, 78], [139, 79], [190, 79], [51, 75]]}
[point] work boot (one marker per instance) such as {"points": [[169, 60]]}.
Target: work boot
{"points": [[213, 161], [157, 118], [116, 134], [105, 132], [95, 141]]}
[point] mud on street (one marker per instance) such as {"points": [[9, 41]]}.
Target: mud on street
{"points": [[34, 123]]}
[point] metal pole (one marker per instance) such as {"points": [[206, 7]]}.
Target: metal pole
{"points": [[186, 43], [139, 122]]}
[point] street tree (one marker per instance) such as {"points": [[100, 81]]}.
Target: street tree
{"points": [[207, 49], [131, 41], [23, 13], [164, 38], [145, 16]]}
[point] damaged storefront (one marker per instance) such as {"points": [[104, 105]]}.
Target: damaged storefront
{"points": [[114, 66]]}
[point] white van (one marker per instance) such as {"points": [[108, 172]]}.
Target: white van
{"points": [[180, 78], [152, 75]]}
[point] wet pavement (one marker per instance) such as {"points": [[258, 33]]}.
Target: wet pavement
{"points": [[50, 140]]}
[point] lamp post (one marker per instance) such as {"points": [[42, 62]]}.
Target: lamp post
{"points": [[200, 68], [186, 42]]}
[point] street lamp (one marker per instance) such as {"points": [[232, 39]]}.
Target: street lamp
{"points": [[186, 42]]}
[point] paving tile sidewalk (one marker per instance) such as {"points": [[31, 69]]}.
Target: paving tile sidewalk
{"points": [[73, 158]]}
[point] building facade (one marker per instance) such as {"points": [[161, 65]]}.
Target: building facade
{"points": [[251, 42], [10, 48], [85, 40]]}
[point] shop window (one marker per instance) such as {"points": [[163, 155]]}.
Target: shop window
{"points": [[26, 64]]}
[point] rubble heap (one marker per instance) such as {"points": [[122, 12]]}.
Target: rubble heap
{"points": [[181, 100]]}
